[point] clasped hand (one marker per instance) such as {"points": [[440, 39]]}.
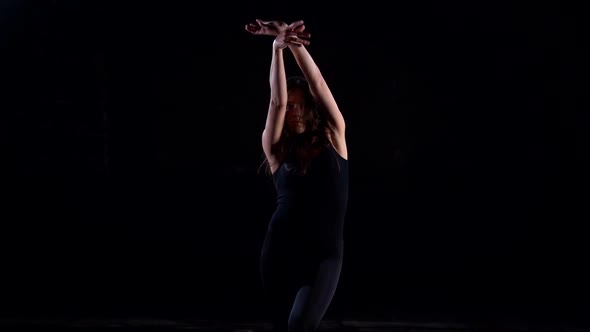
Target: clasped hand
{"points": [[285, 34]]}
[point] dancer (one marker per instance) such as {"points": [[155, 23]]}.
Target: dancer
{"points": [[306, 155]]}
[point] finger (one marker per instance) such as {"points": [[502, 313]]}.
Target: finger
{"points": [[301, 36], [261, 22], [296, 41], [304, 35], [298, 44], [296, 24], [251, 28], [299, 28]]}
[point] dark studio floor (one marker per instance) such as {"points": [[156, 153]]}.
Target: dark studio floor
{"points": [[147, 324]]}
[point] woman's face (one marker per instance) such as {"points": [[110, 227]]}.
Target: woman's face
{"points": [[295, 117]]}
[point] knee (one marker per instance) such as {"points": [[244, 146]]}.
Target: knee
{"points": [[302, 324]]}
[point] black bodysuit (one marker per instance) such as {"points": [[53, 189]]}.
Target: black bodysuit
{"points": [[301, 257]]}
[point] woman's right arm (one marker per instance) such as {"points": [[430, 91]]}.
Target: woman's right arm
{"points": [[277, 108]]}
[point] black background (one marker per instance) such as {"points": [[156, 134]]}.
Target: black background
{"points": [[130, 138]]}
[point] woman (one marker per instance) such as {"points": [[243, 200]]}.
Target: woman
{"points": [[305, 152]]}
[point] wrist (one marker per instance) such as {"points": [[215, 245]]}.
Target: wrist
{"points": [[276, 46], [280, 30]]}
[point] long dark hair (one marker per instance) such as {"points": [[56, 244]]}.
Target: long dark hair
{"points": [[290, 146]]}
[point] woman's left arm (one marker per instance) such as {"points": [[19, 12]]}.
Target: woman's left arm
{"points": [[319, 88]]}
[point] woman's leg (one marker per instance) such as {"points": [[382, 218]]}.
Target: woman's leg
{"points": [[312, 300], [278, 291]]}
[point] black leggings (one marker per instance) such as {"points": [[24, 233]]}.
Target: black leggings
{"points": [[299, 290]]}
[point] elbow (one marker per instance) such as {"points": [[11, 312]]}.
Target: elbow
{"points": [[316, 80]]}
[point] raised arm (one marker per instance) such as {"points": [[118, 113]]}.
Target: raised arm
{"points": [[275, 117], [277, 108], [319, 89]]}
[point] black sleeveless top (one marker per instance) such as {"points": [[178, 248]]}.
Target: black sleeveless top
{"points": [[312, 206]]}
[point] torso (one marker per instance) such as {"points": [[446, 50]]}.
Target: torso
{"points": [[312, 204], [337, 141]]}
